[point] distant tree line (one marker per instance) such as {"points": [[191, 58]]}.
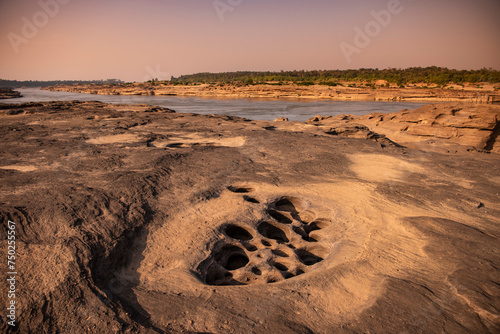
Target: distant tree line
{"points": [[429, 75], [31, 83]]}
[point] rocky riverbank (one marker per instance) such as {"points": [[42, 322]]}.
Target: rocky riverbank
{"points": [[442, 127], [289, 91], [137, 219], [8, 93]]}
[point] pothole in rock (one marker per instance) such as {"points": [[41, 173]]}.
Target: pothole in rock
{"points": [[280, 217], [289, 204], [232, 257], [251, 199], [270, 231], [237, 232], [285, 245], [240, 190], [308, 257]]}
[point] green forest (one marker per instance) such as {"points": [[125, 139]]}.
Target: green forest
{"points": [[430, 75]]}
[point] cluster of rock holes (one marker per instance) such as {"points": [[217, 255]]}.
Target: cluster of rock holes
{"points": [[284, 245]]}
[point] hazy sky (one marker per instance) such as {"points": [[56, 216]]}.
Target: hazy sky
{"points": [[134, 40]]}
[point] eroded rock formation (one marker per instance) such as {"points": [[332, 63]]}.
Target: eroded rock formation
{"points": [[8, 93], [441, 126], [137, 219]]}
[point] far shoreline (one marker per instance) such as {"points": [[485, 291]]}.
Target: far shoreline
{"points": [[293, 92]]}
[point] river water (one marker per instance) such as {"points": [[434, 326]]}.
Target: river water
{"points": [[255, 109]]}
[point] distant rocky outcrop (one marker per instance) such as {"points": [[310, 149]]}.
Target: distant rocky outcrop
{"points": [[8, 93], [440, 127], [286, 91]]}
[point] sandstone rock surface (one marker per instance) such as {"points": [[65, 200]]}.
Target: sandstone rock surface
{"points": [[135, 219], [441, 126], [8, 93], [288, 91]]}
